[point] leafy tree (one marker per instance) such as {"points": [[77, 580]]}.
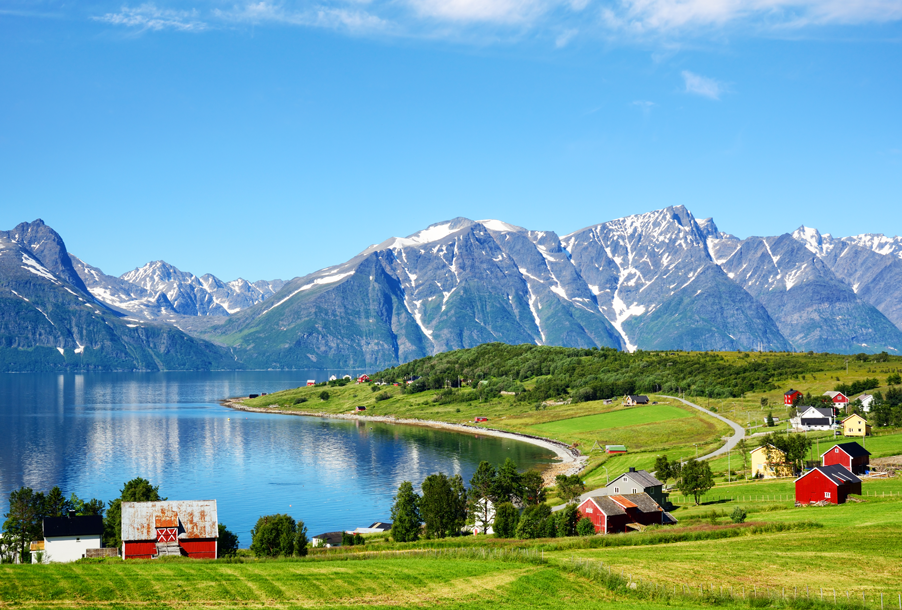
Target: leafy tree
{"points": [[481, 496], [508, 483], [227, 543], [764, 401], [533, 488], [92, 507], [770, 419], [738, 515], [894, 379], [23, 522], [443, 505], [405, 514], [566, 521], [56, 504], [136, 490], [278, 536], [663, 468], [347, 539], [324, 395], [795, 448], [507, 517], [696, 479], [743, 449], [585, 527], [532, 521], [569, 487], [358, 540]]}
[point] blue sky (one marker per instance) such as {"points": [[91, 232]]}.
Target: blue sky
{"points": [[264, 139]]}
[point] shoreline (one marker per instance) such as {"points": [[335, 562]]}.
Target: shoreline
{"points": [[571, 461]]}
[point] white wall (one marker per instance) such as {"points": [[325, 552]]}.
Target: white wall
{"points": [[69, 548]]}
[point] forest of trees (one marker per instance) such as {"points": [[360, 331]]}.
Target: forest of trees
{"points": [[593, 374]]}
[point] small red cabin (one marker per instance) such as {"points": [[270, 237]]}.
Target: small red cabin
{"points": [[832, 484], [790, 395], [851, 456], [157, 529], [361, 408], [839, 399], [311, 382], [363, 378], [480, 419], [620, 513]]}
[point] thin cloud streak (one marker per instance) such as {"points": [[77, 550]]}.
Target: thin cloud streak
{"points": [[702, 85]]}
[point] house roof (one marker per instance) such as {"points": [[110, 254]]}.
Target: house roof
{"points": [[194, 518], [853, 416], [616, 505], [606, 505], [637, 397], [790, 392], [73, 526], [834, 394], [852, 449], [624, 502], [333, 538], [379, 525], [759, 448], [642, 477], [836, 474], [820, 412], [816, 421]]}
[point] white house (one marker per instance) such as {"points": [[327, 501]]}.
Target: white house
{"points": [[68, 538], [333, 378], [866, 400], [814, 418]]}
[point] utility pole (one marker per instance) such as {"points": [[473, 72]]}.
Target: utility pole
{"points": [[728, 464]]}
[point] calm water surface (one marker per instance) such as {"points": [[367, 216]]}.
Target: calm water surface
{"points": [[90, 433]]}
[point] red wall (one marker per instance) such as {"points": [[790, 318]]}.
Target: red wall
{"points": [[837, 457], [140, 550], [596, 516], [204, 548], [812, 487]]}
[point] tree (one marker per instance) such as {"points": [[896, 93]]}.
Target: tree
{"points": [[795, 448], [481, 496], [533, 488], [136, 490], [585, 527], [508, 483], [277, 536], [770, 419], [56, 504], [742, 447], [764, 401], [696, 479], [405, 514], [567, 519], [443, 505], [324, 395], [507, 517], [569, 487], [92, 507], [663, 468], [23, 522], [532, 521], [738, 515], [894, 379], [227, 543]]}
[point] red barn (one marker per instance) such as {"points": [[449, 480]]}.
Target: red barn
{"points": [[614, 514], [829, 483], [156, 529], [851, 456], [790, 395]]}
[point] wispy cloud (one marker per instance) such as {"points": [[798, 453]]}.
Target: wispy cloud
{"points": [[150, 17], [317, 16], [702, 85], [564, 38], [644, 105]]}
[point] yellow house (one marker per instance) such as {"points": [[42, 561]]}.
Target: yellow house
{"points": [[771, 468], [855, 425]]}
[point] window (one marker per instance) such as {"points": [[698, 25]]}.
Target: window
{"points": [[589, 509], [826, 494], [836, 450], [634, 490], [616, 490]]}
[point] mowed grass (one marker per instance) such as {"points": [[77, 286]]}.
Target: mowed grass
{"points": [[631, 416]]}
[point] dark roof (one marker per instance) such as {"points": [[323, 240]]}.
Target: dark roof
{"points": [[815, 421], [790, 391], [852, 448], [823, 411], [637, 397], [609, 506], [73, 526], [381, 526], [333, 538], [643, 502], [642, 477], [838, 474]]}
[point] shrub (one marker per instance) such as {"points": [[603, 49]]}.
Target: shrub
{"points": [[300, 400], [585, 527], [279, 536], [507, 517], [566, 521], [324, 395], [738, 515], [532, 521], [374, 388], [227, 543], [382, 396]]}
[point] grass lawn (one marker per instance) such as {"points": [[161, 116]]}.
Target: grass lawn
{"points": [[632, 416]]}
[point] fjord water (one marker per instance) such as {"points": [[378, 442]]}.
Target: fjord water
{"points": [[89, 433]]}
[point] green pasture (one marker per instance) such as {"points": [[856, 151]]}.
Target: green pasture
{"points": [[630, 416]]}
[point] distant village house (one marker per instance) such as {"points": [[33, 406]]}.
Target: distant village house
{"points": [[612, 514], [768, 462], [67, 538], [790, 396], [632, 400], [855, 425], [832, 484], [851, 456]]}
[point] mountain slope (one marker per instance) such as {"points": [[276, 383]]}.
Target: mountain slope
{"points": [[48, 323]]}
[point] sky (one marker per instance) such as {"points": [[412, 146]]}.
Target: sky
{"points": [[270, 139]]}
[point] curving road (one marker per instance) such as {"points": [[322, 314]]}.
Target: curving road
{"points": [[738, 431], [738, 435]]}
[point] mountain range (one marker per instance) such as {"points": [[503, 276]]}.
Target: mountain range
{"points": [[661, 280]]}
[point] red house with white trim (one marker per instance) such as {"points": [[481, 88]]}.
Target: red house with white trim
{"points": [[189, 528], [852, 456], [790, 395], [829, 483], [840, 400], [364, 379], [621, 513]]}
